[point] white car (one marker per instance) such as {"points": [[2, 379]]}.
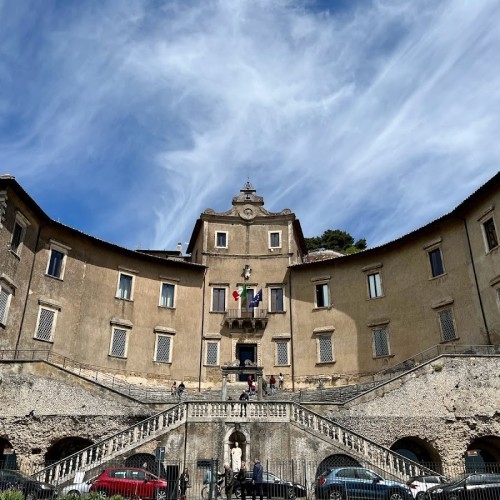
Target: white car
{"points": [[420, 484], [78, 489]]}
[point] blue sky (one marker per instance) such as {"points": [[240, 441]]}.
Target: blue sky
{"points": [[127, 119]]}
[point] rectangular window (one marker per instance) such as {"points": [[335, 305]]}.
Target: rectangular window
{"points": [[163, 348], [381, 342], [55, 267], [436, 261], [282, 353], [167, 295], [276, 298], [490, 233], [17, 237], [5, 296], [118, 346], [46, 324], [322, 299], [447, 325], [212, 353], [275, 239], [219, 300], [325, 347], [221, 239], [374, 285], [124, 286]]}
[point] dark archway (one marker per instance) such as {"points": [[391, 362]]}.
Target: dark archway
{"points": [[483, 455], [338, 460], [8, 458], [65, 447], [418, 450]]}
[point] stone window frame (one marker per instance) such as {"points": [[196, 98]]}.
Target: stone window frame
{"points": [[167, 333], [486, 217], [323, 282], [270, 235], [443, 306], [163, 284], [226, 239], [319, 334], [430, 248], [54, 308], [207, 342], [123, 271], [23, 223], [56, 246], [212, 289], [270, 293], [7, 292], [122, 325]]}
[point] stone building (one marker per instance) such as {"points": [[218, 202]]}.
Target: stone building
{"points": [[248, 297]]}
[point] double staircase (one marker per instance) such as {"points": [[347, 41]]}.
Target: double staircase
{"points": [[364, 450]]}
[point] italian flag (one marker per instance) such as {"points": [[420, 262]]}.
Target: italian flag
{"points": [[240, 293]]}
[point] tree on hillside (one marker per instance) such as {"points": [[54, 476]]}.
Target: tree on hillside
{"points": [[336, 239]]}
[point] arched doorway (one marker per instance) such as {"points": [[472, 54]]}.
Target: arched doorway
{"points": [[237, 440], [483, 455], [64, 448], [419, 451], [8, 458], [337, 460]]}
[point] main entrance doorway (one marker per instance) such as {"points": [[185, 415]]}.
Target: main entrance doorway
{"points": [[246, 352]]}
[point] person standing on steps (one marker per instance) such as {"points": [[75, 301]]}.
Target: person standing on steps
{"points": [[257, 479], [281, 381], [228, 481], [241, 479], [183, 483], [243, 401]]}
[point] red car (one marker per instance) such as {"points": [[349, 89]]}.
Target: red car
{"points": [[130, 482]]}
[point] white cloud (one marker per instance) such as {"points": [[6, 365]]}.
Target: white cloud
{"points": [[374, 119]]}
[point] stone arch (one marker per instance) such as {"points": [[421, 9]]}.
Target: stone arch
{"points": [[337, 460], [8, 458], [418, 450], [64, 448], [143, 461], [237, 435], [483, 455]]}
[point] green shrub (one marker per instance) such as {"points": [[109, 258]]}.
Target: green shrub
{"points": [[11, 494]]}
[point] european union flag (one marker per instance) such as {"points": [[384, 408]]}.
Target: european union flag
{"points": [[255, 301]]}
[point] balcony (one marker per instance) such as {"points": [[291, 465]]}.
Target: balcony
{"points": [[246, 319]]}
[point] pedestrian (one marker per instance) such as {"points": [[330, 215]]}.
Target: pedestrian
{"points": [[272, 384], [281, 381], [181, 389], [173, 389], [228, 481], [184, 483], [264, 386], [250, 382], [244, 400], [257, 479], [241, 479]]}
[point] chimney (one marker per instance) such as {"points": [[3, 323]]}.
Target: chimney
{"points": [[179, 248]]}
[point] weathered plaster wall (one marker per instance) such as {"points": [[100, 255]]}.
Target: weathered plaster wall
{"points": [[447, 403]]}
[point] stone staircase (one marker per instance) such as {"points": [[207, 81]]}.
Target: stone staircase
{"points": [[365, 450], [322, 394]]}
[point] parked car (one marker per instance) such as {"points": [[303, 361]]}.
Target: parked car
{"points": [[78, 489], [420, 484], [130, 482], [30, 488], [471, 487], [274, 487], [358, 482]]}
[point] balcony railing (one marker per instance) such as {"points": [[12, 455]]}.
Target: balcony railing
{"points": [[246, 317]]}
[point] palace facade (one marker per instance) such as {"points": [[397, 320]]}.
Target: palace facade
{"points": [[316, 318]]}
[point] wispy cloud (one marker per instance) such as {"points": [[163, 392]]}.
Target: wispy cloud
{"points": [[127, 120]]}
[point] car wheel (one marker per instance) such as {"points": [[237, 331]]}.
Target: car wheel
{"points": [[103, 493], [396, 495], [335, 495], [420, 495], [161, 494]]}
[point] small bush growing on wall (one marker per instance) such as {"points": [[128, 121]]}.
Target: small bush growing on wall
{"points": [[437, 367]]}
